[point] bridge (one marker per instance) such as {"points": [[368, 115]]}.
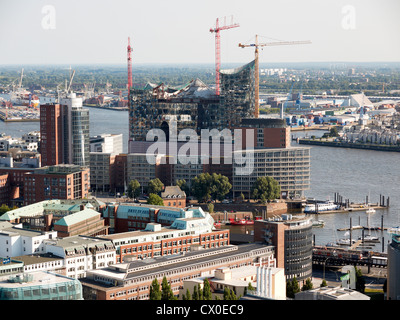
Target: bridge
{"points": [[336, 256]]}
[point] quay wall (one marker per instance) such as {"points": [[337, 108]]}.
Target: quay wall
{"points": [[339, 144]]}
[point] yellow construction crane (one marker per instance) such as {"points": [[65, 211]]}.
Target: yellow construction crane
{"points": [[256, 63]]}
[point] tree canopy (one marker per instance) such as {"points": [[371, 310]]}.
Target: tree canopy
{"points": [[207, 186], [155, 200], [155, 186], [133, 189], [266, 188]]}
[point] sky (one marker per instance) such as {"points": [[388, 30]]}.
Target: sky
{"points": [[178, 31]]}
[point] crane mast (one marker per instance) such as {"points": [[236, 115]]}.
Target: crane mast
{"points": [[256, 64], [129, 50], [217, 31]]}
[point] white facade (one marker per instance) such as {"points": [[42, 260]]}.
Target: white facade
{"points": [[15, 241], [82, 254], [107, 143]]}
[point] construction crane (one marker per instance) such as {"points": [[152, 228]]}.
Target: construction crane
{"points": [[129, 50], [256, 64], [217, 31]]}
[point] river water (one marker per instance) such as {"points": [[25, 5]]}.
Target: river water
{"points": [[353, 173]]}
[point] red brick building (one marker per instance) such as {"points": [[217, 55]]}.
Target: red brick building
{"points": [[56, 182]]}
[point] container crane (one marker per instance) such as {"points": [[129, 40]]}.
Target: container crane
{"points": [[217, 31], [256, 65]]}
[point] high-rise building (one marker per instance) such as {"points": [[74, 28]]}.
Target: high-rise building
{"points": [[51, 137], [64, 130], [292, 238]]}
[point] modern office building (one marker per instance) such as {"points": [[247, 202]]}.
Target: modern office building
{"points": [[107, 143], [289, 166], [102, 171], [124, 217], [41, 285], [292, 239], [64, 132]]}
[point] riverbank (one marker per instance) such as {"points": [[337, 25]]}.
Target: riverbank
{"points": [[339, 144], [106, 108]]}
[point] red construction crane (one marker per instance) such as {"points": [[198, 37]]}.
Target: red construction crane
{"points": [[129, 65], [217, 30], [256, 64]]}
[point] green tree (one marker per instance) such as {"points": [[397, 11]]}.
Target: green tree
{"points": [[4, 208], [155, 292], [308, 285], [201, 187], [227, 294], [220, 186], [155, 186], [265, 188], [206, 186], [323, 283], [292, 287], [195, 295], [133, 189], [166, 291], [210, 208], [183, 185], [206, 290], [201, 297], [250, 287], [188, 296], [155, 199]]}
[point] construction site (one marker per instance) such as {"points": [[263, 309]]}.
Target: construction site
{"points": [[196, 105]]}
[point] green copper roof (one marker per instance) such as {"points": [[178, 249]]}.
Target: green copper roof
{"points": [[77, 217]]}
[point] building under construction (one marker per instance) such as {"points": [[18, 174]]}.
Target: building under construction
{"points": [[193, 106]]}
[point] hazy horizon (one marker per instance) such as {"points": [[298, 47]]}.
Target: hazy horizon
{"points": [[55, 32]]}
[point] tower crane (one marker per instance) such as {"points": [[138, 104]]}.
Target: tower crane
{"points": [[217, 31], [129, 50], [256, 64]]}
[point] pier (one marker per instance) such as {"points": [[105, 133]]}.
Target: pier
{"points": [[334, 256]]}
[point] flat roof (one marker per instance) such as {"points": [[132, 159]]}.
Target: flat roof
{"points": [[161, 264], [38, 279], [37, 258]]}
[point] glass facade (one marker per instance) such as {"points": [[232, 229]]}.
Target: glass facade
{"points": [[70, 289]]}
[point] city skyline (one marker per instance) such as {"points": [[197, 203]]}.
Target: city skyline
{"points": [[56, 32]]}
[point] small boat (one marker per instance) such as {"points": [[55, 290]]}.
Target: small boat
{"points": [[345, 242], [318, 223], [369, 238], [241, 222], [217, 224], [370, 211], [319, 207]]}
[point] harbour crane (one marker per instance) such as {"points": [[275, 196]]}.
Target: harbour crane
{"points": [[217, 31], [256, 63]]}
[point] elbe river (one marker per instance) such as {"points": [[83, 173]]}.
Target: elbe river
{"points": [[353, 173]]}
